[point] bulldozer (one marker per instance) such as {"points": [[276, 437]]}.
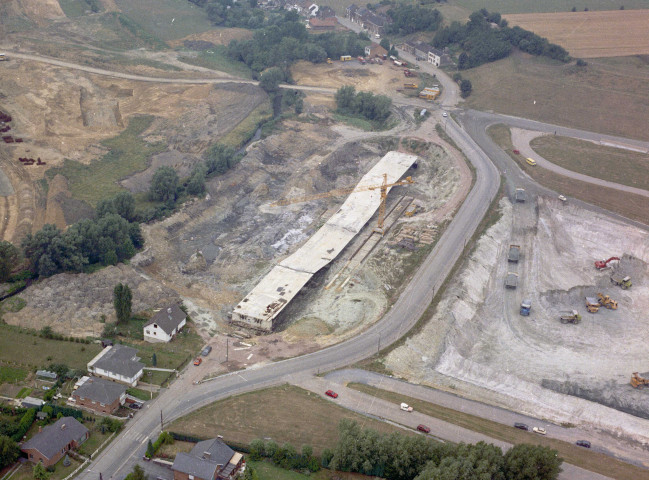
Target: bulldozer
{"points": [[623, 282], [637, 381], [605, 301], [592, 305], [570, 317]]}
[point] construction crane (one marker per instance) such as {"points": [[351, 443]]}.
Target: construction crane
{"points": [[346, 191]]}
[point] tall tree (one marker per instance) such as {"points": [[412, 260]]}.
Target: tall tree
{"points": [[532, 462], [137, 474], [9, 255], [39, 472], [122, 298], [8, 451], [164, 185]]}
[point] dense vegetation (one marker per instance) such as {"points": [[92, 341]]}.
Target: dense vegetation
{"points": [[487, 38], [375, 108], [412, 18], [399, 457]]}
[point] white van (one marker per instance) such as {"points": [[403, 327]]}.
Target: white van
{"points": [[406, 408]]}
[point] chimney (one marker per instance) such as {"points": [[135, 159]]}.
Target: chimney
{"points": [[206, 455]]}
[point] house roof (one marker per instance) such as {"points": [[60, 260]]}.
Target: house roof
{"points": [[56, 436], [100, 390], [46, 374], [120, 360], [205, 459], [168, 318]]}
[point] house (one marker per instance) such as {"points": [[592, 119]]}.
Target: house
{"points": [[117, 363], [418, 49], [165, 324], [374, 23], [321, 24], [100, 395], [435, 57], [51, 443], [208, 460], [375, 50]]}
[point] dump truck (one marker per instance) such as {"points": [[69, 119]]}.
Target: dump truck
{"points": [[637, 381], [511, 280], [571, 316], [605, 301], [520, 195], [620, 281], [592, 304], [526, 306], [514, 253], [410, 85]]}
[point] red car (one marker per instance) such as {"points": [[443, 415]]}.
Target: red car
{"points": [[331, 393], [423, 428], [517, 152], [198, 361]]}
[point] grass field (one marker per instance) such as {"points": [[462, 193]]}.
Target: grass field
{"points": [[243, 132], [285, 414], [74, 8], [595, 462], [166, 19], [529, 6], [216, 59], [12, 374], [600, 97], [591, 34], [128, 154], [631, 206], [25, 472], [19, 346], [608, 163]]}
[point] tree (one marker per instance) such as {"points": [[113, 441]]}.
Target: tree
{"points": [[385, 43], [124, 204], [465, 88], [8, 451], [164, 185], [122, 298], [532, 462], [150, 451], [39, 472], [47, 332], [271, 78], [9, 255], [196, 183], [137, 474], [256, 449], [219, 159], [344, 97]]}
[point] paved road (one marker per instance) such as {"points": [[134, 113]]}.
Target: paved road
{"points": [[383, 410]]}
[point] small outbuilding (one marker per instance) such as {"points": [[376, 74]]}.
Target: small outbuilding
{"points": [[165, 324]]}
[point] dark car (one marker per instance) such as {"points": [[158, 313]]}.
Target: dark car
{"points": [[331, 393], [423, 428], [206, 351], [135, 406], [583, 443], [522, 426]]}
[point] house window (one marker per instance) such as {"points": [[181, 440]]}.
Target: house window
{"points": [[148, 333]]}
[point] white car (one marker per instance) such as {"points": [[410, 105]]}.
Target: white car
{"points": [[539, 430], [562, 198], [444, 114], [406, 408]]}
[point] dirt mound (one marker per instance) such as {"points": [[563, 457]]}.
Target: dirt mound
{"points": [[39, 11]]}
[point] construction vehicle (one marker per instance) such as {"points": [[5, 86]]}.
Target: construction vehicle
{"points": [[526, 306], [429, 93], [329, 61], [622, 282], [383, 188], [520, 195], [409, 73], [345, 58], [600, 264], [592, 305], [514, 253], [410, 85], [3, 57], [605, 301], [637, 381], [511, 280], [570, 317], [361, 60]]}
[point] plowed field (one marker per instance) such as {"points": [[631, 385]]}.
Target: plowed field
{"points": [[613, 33]]}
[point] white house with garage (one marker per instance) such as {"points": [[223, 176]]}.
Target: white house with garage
{"points": [[117, 363], [165, 324]]}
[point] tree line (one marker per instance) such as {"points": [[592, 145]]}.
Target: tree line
{"points": [[375, 108], [482, 43]]}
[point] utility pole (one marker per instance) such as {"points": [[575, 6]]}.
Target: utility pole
{"points": [[378, 350], [227, 348], [161, 424]]}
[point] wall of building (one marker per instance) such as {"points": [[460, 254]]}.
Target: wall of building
{"points": [[85, 402], [118, 378]]}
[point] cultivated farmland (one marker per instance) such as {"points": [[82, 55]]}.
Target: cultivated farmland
{"points": [[591, 34]]}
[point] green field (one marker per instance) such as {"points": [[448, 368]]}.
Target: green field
{"points": [[245, 130], [279, 413], [128, 154], [74, 8], [593, 461], [12, 374], [608, 163], [606, 97], [20, 346], [166, 19]]}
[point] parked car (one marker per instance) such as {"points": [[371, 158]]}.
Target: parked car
{"points": [[517, 152], [562, 198], [206, 351], [539, 430], [522, 426], [198, 361], [583, 443], [423, 428], [331, 393], [135, 406], [406, 408], [444, 114]]}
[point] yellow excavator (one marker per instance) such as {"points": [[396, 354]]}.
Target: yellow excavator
{"points": [[605, 301], [637, 381]]}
